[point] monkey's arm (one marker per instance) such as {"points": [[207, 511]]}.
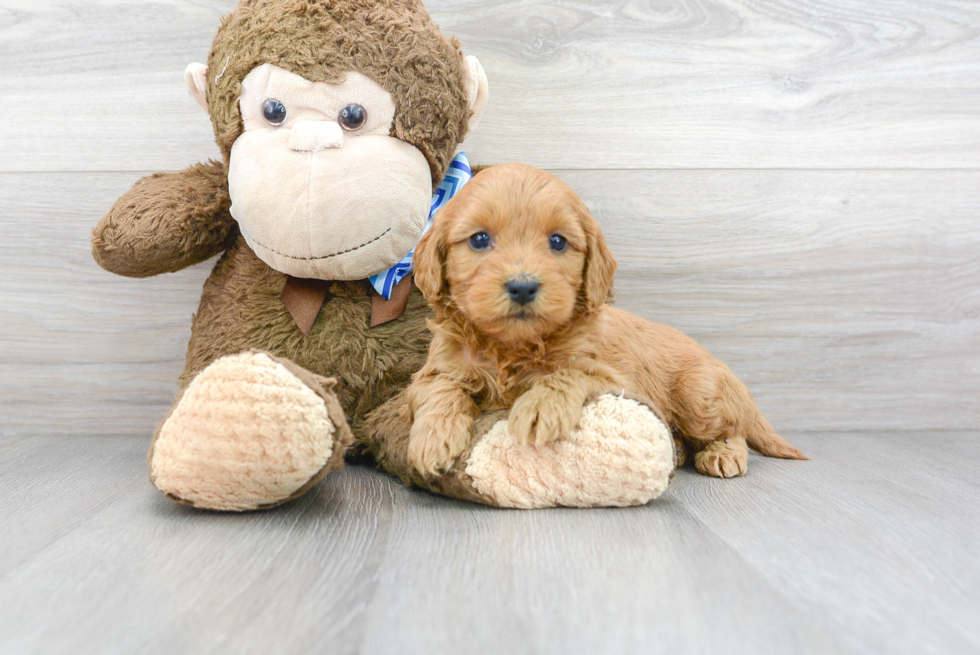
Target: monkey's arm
{"points": [[165, 222]]}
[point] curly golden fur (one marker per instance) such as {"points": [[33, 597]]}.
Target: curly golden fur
{"points": [[522, 322]]}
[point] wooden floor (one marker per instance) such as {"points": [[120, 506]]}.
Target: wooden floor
{"points": [[796, 184], [871, 547]]}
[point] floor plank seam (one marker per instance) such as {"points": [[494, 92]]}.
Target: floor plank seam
{"points": [[109, 502], [825, 621]]}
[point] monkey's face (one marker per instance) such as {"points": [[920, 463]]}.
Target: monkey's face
{"points": [[318, 186]]}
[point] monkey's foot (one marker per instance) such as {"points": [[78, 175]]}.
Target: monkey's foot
{"points": [[251, 431], [620, 454]]}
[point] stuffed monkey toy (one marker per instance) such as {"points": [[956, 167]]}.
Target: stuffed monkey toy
{"points": [[338, 122]]}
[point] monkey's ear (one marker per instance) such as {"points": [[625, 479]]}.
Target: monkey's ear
{"points": [[477, 89], [427, 263], [196, 78], [600, 265]]}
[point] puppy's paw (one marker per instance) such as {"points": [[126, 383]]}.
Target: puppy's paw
{"points": [[434, 444], [723, 458], [542, 415]]}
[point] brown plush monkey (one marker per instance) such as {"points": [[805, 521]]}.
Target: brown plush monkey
{"points": [[335, 120]]}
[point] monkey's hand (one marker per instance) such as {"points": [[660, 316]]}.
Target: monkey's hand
{"points": [[165, 222], [543, 414]]}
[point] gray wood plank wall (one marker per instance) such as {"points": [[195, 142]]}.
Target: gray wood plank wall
{"points": [[795, 184]]}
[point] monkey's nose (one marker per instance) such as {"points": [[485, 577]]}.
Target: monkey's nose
{"points": [[313, 136], [522, 290]]}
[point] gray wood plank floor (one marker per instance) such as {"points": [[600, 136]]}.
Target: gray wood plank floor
{"points": [[868, 548]]}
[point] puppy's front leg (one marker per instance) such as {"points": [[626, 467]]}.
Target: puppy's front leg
{"points": [[442, 425], [552, 407]]}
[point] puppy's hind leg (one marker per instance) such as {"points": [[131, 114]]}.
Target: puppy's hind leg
{"points": [[711, 405], [721, 416]]}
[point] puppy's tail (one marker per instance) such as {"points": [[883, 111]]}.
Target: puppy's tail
{"points": [[764, 439]]}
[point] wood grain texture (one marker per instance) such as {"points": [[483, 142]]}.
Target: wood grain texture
{"points": [[574, 84], [129, 571], [845, 300], [566, 581], [82, 350], [868, 548], [837, 548], [804, 238]]}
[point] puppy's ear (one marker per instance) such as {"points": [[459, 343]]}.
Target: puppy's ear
{"points": [[428, 260], [600, 265]]}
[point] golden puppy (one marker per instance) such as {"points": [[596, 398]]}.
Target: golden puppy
{"points": [[518, 273]]}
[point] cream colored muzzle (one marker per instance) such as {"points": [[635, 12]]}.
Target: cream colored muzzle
{"points": [[329, 213], [314, 136]]}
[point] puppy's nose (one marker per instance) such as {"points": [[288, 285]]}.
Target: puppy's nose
{"points": [[522, 290]]}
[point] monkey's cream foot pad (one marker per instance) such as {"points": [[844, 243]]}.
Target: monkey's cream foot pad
{"points": [[620, 454], [248, 432]]}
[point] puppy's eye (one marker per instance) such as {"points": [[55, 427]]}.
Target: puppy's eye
{"points": [[480, 241], [352, 117], [274, 111], [558, 243]]}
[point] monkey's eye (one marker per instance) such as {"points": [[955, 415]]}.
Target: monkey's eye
{"points": [[274, 111], [352, 117], [480, 241], [558, 243]]}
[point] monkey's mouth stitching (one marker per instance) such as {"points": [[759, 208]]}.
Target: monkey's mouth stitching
{"points": [[313, 259]]}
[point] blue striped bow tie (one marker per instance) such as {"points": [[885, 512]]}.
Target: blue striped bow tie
{"points": [[457, 175]]}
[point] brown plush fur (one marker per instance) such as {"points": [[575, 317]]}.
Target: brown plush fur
{"points": [[162, 225], [166, 222], [393, 42], [386, 433], [169, 221], [240, 309], [543, 359]]}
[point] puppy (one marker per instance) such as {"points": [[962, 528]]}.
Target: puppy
{"points": [[518, 275]]}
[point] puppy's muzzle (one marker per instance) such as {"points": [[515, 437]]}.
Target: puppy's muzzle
{"points": [[522, 290]]}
